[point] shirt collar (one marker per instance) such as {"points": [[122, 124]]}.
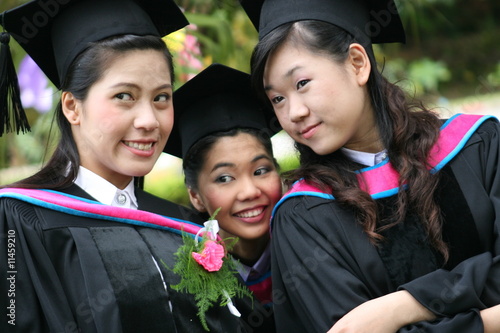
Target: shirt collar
{"points": [[105, 192], [260, 268], [361, 157]]}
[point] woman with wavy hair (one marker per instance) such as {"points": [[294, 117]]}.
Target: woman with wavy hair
{"points": [[391, 223]]}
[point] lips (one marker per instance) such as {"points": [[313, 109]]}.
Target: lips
{"points": [[139, 146], [309, 131], [250, 213]]}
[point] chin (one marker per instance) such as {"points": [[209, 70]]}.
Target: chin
{"points": [[323, 151], [257, 237], [141, 171]]}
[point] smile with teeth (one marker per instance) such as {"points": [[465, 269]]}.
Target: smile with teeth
{"points": [[250, 213], [139, 146]]}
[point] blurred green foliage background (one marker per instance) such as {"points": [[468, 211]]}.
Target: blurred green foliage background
{"points": [[452, 54]]}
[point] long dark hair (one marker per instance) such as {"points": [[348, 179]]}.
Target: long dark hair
{"points": [[196, 155], [408, 131], [88, 68]]}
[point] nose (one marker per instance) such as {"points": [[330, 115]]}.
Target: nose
{"points": [[248, 190], [147, 118], [298, 110]]}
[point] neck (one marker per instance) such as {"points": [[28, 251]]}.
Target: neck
{"points": [[369, 143], [248, 251], [368, 138]]}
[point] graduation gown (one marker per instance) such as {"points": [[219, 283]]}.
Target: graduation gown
{"points": [[85, 274], [324, 265]]}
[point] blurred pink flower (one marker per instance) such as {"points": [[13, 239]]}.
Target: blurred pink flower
{"points": [[191, 44], [186, 48], [189, 56], [190, 53]]}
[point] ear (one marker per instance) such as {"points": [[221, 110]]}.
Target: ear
{"points": [[358, 59], [71, 108], [195, 199]]}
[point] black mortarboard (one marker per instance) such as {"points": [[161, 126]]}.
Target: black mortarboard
{"points": [[54, 32], [219, 98], [375, 21]]}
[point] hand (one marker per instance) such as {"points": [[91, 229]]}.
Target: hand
{"points": [[491, 319], [385, 314]]}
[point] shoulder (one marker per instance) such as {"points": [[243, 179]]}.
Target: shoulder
{"points": [[16, 213], [154, 204], [306, 204], [470, 129], [321, 214], [303, 201], [9, 205], [465, 134], [305, 195], [488, 130], [484, 143]]}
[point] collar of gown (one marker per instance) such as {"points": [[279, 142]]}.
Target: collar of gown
{"points": [[105, 192]]}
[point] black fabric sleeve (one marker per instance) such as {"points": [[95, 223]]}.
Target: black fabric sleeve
{"points": [[315, 278]]}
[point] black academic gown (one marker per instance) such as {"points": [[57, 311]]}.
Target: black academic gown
{"points": [[324, 265], [77, 274]]}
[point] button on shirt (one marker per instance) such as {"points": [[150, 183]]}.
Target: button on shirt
{"points": [[105, 192]]}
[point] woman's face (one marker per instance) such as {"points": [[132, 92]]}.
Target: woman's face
{"points": [[122, 126], [240, 177], [319, 102]]}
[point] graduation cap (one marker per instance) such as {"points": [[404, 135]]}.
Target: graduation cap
{"points": [[219, 98], [375, 21], [55, 32]]}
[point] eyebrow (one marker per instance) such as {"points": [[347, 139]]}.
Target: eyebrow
{"points": [[286, 76], [133, 85], [232, 165]]}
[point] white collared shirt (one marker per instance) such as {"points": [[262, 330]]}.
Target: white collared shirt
{"points": [[361, 157], [105, 192], [261, 267]]}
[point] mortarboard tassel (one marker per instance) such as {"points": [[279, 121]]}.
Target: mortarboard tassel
{"points": [[11, 108]]}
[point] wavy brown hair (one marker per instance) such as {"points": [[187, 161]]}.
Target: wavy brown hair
{"points": [[408, 131]]}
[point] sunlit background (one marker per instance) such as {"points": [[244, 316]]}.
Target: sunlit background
{"points": [[451, 60]]}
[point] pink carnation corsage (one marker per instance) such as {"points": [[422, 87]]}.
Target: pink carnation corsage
{"points": [[211, 256], [207, 270]]}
